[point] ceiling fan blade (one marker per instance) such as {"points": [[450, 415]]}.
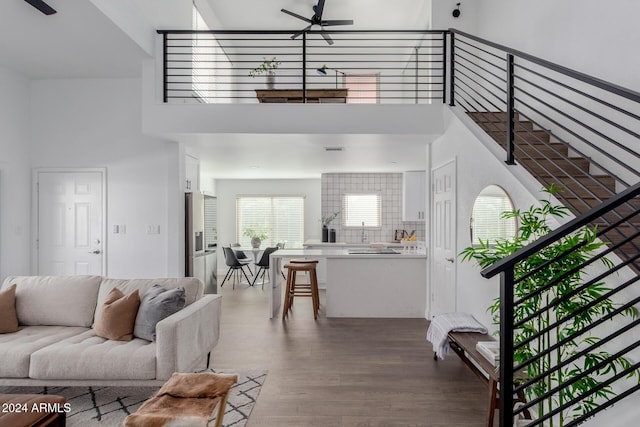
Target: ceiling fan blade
{"points": [[295, 15], [42, 6], [299, 33], [337, 22], [318, 9], [326, 37]]}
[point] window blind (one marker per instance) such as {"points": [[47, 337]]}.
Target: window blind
{"points": [[361, 207], [281, 218], [487, 222]]}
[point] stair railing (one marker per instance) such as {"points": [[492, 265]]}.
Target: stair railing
{"points": [[599, 119], [623, 339]]}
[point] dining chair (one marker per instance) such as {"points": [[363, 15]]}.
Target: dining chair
{"points": [[263, 264], [234, 265]]}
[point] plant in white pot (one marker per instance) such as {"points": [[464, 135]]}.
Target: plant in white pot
{"points": [[268, 67], [256, 234]]}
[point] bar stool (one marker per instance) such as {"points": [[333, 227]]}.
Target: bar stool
{"points": [[294, 289], [306, 286]]}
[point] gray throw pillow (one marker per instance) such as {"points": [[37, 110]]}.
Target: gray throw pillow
{"points": [[157, 304]]}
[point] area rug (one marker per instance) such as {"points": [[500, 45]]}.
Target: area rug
{"points": [[109, 406]]}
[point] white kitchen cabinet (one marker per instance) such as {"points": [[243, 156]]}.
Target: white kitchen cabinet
{"points": [[192, 174], [413, 195]]}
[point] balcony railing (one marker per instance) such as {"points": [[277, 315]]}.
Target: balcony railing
{"points": [[375, 66]]}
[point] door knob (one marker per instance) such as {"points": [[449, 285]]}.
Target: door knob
{"points": [[97, 251], [451, 260]]}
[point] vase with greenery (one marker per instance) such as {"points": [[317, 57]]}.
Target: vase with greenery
{"points": [[268, 67], [256, 234], [575, 313], [326, 222]]}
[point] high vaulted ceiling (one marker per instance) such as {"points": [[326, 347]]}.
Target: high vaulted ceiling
{"points": [[111, 38]]}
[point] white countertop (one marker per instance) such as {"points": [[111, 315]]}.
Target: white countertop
{"points": [[315, 243], [340, 253]]}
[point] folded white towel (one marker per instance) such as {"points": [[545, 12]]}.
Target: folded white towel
{"points": [[442, 324]]}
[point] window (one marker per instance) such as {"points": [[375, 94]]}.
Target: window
{"points": [[280, 218], [487, 222], [359, 208], [363, 89]]}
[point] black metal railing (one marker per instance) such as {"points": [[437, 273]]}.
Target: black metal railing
{"points": [[599, 120], [546, 381], [375, 66]]}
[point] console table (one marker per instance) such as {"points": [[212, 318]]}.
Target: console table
{"points": [[335, 96], [464, 344]]}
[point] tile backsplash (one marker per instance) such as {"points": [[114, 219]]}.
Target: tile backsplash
{"points": [[388, 185]]}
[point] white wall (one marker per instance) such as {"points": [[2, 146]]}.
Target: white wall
{"points": [[15, 176], [228, 189], [97, 123], [595, 37], [477, 167]]}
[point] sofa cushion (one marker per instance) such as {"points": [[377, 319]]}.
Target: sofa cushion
{"points": [[55, 300], [193, 287], [157, 304], [16, 348], [117, 316], [8, 314], [89, 357]]}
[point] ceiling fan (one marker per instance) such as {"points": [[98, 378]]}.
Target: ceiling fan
{"points": [[316, 19], [42, 6]]}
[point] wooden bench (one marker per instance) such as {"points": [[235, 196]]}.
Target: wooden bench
{"points": [[464, 344]]}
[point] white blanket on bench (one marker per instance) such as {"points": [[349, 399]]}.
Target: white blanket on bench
{"points": [[442, 324]]}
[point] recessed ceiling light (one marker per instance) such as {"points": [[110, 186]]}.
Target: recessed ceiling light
{"points": [[254, 167], [333, 148]]}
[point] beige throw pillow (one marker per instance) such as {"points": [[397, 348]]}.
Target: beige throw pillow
{"points": [[117, 317], [8, 314]]}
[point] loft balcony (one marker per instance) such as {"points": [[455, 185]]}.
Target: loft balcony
{"points": [[374, 67], [364, 82]]}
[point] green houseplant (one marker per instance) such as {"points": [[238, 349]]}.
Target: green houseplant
{"points": [[326, 222], [580, 246], [257, 235], [268, 67]]}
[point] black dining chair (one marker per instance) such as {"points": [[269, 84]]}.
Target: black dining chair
{"points": [[234, 265], [263, 264]]}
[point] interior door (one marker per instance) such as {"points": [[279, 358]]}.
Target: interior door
{"points": [[70, 221], [443, 259]]}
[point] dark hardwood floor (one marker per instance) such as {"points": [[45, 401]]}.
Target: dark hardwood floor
{"points": [[344, 372]]}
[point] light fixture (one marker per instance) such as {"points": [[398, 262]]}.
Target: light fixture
{"points": [[456, 12], [322, 71]]}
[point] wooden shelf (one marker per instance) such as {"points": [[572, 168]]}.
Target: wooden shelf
{"points": [[314, 96]]}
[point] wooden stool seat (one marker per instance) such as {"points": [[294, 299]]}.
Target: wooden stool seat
{"points": [[294, 289]]}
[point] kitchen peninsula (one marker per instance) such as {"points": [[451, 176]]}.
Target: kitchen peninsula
{"points": [[369, 283]]}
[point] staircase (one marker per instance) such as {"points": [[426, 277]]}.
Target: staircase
{"points": [[516, 98], [548, 160]]}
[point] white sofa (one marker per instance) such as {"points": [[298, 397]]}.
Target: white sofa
{"points": [[56, 344]]}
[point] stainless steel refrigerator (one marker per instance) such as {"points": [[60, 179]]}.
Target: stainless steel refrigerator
{"points": [[194, 235], [200, 248]]}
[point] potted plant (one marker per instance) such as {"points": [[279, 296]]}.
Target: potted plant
{"points": [[326, 222], [257, 235], [576, 248], [268, 67]]}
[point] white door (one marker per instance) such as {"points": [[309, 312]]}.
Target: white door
{"points": [[70, 221], [443, 259]]}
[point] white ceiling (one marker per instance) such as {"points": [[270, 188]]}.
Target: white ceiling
{"points": [[81, 42]]}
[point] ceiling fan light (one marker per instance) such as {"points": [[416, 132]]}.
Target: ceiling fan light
{"points": [[42, 6]]}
